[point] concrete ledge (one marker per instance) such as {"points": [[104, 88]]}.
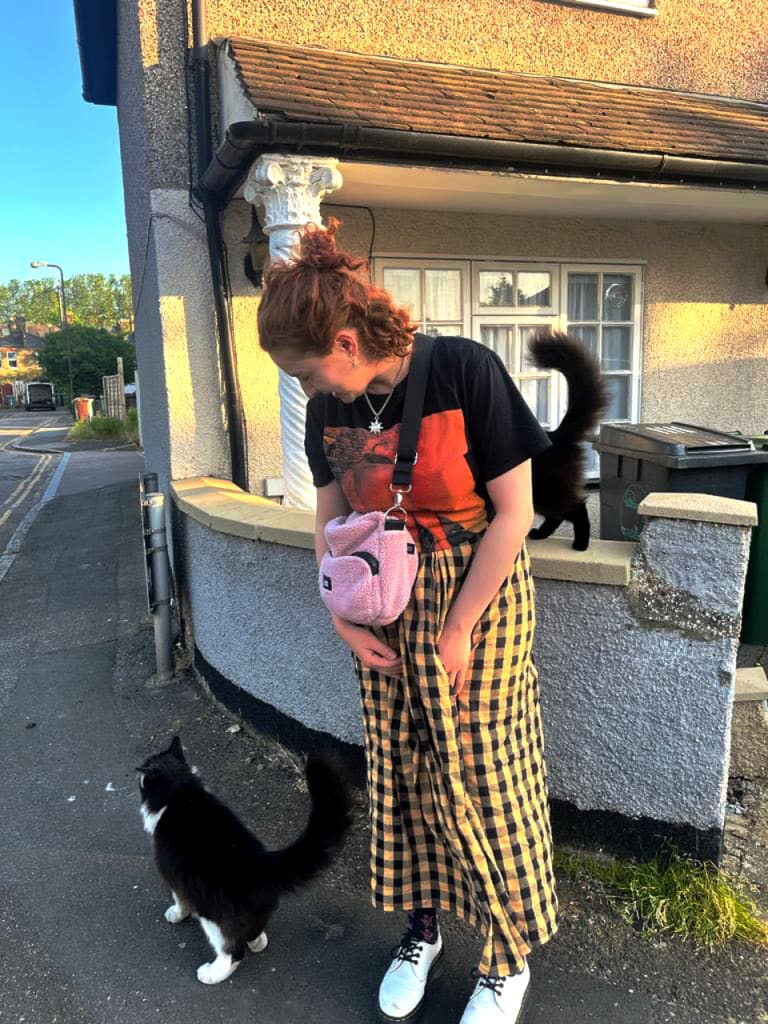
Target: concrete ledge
{"points": [[605, 562], [222, 506], [751, 684], [704, 508]]}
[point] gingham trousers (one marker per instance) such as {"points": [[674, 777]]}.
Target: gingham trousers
{"points": [[457, 787]]}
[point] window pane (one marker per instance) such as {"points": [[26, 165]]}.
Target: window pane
{"points": [[496, 288], [534, 289], [586, 334], [617, 343], [524, 333], [536, 394], [617, 297], [618, 390], [405, 288], [582, 297], [501, 340], [442, 300], [446, 330]]}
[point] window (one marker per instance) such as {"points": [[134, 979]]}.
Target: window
{"points": [[12, 359], [640, 8], [1, 358], [436, 294], [502, 303]]}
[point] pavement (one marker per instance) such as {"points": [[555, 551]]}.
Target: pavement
{"points": [[82, 934]]}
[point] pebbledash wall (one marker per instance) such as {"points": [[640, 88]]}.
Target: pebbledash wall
{"points": [[636, 648]]}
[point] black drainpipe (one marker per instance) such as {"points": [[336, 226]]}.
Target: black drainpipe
{"points": [[222, 291]]}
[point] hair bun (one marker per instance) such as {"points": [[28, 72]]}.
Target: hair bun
{"points": [[317, 249]]}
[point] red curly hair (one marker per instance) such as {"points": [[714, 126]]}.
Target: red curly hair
{"points": [[308, 301]]}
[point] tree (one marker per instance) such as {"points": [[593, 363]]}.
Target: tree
{"points": [[94, 355], [94, 300], [36, 300]]}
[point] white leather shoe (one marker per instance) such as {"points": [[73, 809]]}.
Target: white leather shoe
{"points": [[401, 993], [498, 1000]]}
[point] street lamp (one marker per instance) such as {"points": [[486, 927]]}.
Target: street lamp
{"points": [[63, 315]]}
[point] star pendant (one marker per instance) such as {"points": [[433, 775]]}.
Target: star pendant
{"points": [[375, 426]]}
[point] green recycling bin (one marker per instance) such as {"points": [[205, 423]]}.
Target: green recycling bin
{"points": [[754, 617]]}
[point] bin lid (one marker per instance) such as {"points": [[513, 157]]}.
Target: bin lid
{"points": [[672, 439], [678, 445]]}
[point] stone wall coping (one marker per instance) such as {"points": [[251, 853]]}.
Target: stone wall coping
{"points": [[705, 508], [751, 684], [605, 562], [224, 507]]}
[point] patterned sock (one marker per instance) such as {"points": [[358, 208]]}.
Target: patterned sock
{"points": [[423, 923]]}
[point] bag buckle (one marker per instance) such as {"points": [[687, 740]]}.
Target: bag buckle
{"points": [[392, 512]]}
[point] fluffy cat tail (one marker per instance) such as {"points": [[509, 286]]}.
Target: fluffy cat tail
{"points": [[323, 837], [587, 394]]}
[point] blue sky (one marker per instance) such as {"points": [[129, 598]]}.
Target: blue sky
{"points": [[61, 192]]}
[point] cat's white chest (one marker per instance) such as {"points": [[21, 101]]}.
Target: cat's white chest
{"points": [[151, 818]]}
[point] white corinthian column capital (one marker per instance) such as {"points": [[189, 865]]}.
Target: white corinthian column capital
{"points": [[289, 190]]}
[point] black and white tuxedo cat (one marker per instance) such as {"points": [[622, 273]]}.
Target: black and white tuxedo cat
{"points": [[558, 472], [216, 868]]}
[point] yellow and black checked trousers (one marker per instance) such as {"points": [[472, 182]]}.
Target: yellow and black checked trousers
{"points": [[457, 787]]}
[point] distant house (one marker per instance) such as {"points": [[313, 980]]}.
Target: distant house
{"points": [[19, 342]]}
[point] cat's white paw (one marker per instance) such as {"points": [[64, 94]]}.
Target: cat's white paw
{"points": [[175, 914], [259, 944], [216, 971]]}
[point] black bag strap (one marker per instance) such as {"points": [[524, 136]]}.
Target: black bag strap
{"points": [[413, 407]]}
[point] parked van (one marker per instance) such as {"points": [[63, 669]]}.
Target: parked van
{"points": [[39, 394]]}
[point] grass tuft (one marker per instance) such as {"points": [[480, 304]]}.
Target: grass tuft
{"points": [[107, 428], [673, 895]]}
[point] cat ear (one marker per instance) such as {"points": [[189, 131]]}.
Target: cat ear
{"points": [[176, 748]]}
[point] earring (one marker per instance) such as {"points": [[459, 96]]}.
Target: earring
{"points": [[354, 364]]}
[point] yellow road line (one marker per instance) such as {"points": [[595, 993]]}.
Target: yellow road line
{"points": [[24, 488]]}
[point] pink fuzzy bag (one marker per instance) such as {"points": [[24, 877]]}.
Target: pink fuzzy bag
{"points": [[368, 573], [367, 576]]}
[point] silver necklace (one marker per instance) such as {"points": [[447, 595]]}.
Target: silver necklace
{"points": [[375, 426]]}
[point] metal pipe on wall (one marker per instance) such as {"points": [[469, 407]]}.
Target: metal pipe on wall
{"points": [[222, 291]]}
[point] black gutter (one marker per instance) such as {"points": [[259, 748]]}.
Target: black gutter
{"points": [[245, 140], [96, 26], [222, 290]]}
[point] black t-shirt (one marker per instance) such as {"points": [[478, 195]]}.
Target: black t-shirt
{"points": [[475, 426]]}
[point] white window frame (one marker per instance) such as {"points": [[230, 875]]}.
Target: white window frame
{"points": [[13, 360], [557, 386], [635, 371], [415, 263], [638, 8], [476, 316], [513, 268]]}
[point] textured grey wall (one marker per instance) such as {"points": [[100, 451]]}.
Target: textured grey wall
{"points": [[258, 620], [635, 719], [636, 682]]}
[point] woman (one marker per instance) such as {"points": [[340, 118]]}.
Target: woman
{"points": [[449, 691]]}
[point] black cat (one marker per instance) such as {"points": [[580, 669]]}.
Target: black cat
{"points": [[558, 472], [217, 870]]}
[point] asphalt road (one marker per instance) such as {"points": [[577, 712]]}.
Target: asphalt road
{"points": [[24, 476]]}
